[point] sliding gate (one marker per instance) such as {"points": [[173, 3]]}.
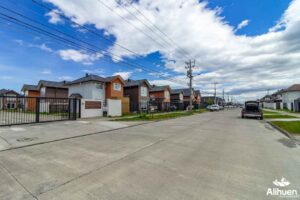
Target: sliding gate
{"points": [[26, 110]]}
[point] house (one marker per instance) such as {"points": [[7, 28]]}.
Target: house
{"points": [[177, 98], [9, 99], [291, 98], [138, 93], [160, 97], [53, 89], [30, 90], [98, 94]]}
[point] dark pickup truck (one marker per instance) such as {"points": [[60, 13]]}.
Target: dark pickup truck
{"points": [[252, 109]]}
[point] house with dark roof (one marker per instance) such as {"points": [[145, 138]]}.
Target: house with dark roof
{"points": [[30, 90], [160, 97], [53, 89], [99, 92], [138, 93], [177, 98], [9, 99], [291, 98], [186, 92]]}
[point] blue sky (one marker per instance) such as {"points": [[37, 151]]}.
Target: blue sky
{"points": [[27, 57]]}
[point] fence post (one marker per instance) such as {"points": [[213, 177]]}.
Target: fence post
{"points": [[69, 108], [79, 108], [74, 108], [37, 109]]}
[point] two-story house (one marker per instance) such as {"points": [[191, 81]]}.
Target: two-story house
{"points": [[138, 93], [96, 92], [160, 97], [177, 98], [291, 98]]}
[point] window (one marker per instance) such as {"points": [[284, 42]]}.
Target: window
{"points": [[167, 94], [43, 91], [117, 86], [144, 91]]}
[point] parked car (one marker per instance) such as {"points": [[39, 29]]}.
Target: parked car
{"points": [[214, 107], [252, 109]]}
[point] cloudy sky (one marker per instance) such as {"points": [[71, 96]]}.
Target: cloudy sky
{"points": [[245, 46]]}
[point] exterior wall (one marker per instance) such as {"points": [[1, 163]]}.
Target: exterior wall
{"points": [[86, 113], [288, 99], [56, 92], [160, 95], [137, 101], [111, 93], [114, 107], [89, 90], [269, 105], [33, 94]]}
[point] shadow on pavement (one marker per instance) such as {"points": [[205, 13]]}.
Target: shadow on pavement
{"points": [[288, 142]]}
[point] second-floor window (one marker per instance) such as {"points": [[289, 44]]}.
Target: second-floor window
{"points": [[144, 91], [117, 86], [43, 91]]}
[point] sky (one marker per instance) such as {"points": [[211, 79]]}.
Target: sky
{"points": [[247, 47]]}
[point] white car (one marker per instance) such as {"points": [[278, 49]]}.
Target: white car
{"points": [[213, 107]]}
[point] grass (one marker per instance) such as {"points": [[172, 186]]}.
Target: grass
{"points": [[278, 116], [292, 127], [160, 116], [269, 112]]}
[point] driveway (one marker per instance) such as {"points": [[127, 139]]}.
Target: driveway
{"points": [[208, 156]]}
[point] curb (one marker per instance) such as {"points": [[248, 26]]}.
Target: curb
{"points": [[284, 132]]}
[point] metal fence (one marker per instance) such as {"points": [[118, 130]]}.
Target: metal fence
{"points": [[26, 110]]}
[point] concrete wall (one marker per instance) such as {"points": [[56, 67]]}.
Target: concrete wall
{"points": [[269, 105], [114, 107], [288, 98], [86, 113], [89, 90]]}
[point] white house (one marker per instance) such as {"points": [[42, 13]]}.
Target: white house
{"points": [[291, 98], [8, 99], [98, 94]]}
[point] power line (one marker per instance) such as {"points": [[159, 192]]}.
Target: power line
{"points": [[69, 42], [132, 5], [146, 25], [91, 30]]}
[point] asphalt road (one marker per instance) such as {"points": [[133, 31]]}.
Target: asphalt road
{"points": [[208, 156]]}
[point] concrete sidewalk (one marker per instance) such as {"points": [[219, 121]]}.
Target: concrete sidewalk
{"points": [[25, 135]]}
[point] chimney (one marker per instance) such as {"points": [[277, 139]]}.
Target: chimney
{"points": [[86, 74], [128, 80]]}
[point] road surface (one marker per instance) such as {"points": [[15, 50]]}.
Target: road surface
{"points": [[207, 156]]}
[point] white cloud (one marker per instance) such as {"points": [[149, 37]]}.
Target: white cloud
{"points": [[79, 56], [54, 16], [240, 63], [46, 71], [43, 47], [243, 24], [19, 42], [124, 75], [65, 78], [6, 77]]}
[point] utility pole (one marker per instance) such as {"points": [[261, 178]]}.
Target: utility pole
{"points": [[215, 83], [268, 91], [223, 97], [189, 66]]}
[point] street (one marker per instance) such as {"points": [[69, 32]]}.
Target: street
{"points": [[214, 155]]}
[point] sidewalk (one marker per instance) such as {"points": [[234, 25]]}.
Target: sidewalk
{"points": [[26, 135], [283, 112]]}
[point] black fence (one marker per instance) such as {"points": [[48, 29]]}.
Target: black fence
{"points": [[26, 110]]}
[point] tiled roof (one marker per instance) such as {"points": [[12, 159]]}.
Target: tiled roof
{"points": [[295, 87], [131, 83], [158, 88], [61, 84], [5, 91], [29, 87], [87, 78]]}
